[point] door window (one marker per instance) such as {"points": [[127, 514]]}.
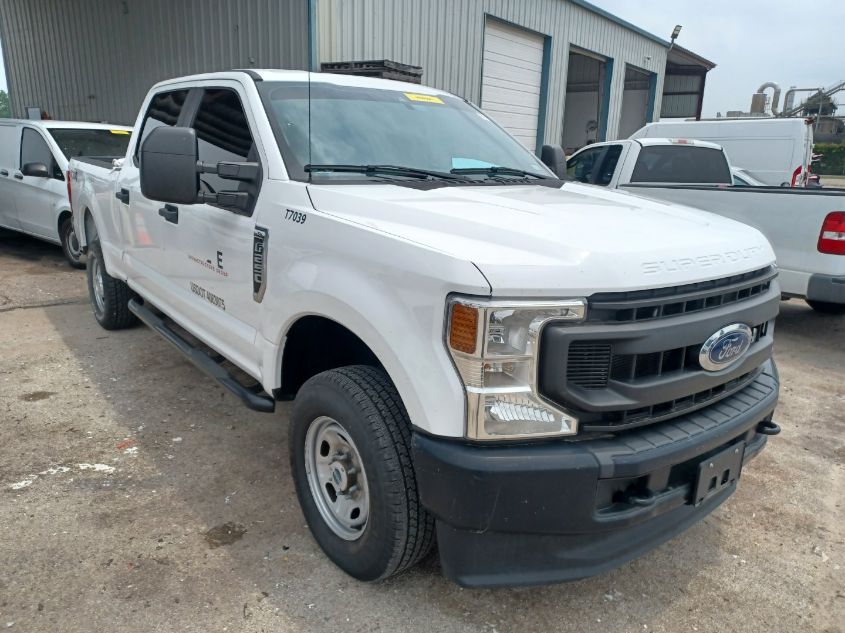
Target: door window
{"points": [[164, 109], [34, 149], [222, 135], [608, 165], [580, 167]]}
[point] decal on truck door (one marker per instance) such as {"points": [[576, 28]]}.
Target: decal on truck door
{"points": [[259, 262]]}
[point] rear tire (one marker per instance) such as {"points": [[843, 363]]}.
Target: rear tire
{"points": [[349, 443], [825, 307], [109, 296], [70, 244]]}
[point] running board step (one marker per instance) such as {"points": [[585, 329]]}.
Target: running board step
{"points": [[203, 361]]}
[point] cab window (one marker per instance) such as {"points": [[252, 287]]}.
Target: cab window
{"points": [[608, 165], [580, 167], [222, 135], [34, 149], [164, 109]]}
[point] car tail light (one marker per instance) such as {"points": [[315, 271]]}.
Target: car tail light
{"points": [[795, 175], [832, 237], [69, 199]]}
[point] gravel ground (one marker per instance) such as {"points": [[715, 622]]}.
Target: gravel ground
{"points": [[136, 495]]}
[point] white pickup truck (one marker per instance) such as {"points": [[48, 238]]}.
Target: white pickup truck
{"points": [[476, 349], [806, 227]]}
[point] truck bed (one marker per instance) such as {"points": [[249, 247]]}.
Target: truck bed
{"points": [[99, 161], [791, 219]]}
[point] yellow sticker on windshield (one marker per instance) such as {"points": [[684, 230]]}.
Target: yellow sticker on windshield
{"points": [[126, 132], [413, 96]]}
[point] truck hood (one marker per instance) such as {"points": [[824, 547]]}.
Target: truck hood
{"points": [[543, 241]]}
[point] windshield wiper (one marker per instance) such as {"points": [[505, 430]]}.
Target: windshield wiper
{"points": [[394, 170], [494, 170]]}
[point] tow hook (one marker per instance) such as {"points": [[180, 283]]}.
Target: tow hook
{"points": [[768, 427]]}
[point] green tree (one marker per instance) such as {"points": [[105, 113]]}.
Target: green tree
{"points": [[5, 107]]}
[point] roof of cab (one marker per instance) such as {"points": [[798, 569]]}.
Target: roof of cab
{"points": [[649, 141], [70, 125], [270, 74]]}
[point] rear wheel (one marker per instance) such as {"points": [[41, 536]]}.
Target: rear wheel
{"points": [[109, 296], [70, 244], [351, 462], [825, 307]]}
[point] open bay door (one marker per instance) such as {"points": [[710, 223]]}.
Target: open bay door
{"points": [[512, 78]]}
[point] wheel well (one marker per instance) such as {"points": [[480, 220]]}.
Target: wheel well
{"points": [[316, 344], [64, 215], [89, 226]]}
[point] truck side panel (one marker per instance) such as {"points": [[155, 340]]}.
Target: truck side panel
{"points": [[791, 219]]}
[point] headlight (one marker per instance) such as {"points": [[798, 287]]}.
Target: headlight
{"points": [[494, 346]]}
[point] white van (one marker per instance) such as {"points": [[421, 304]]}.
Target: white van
{"points": [[778, 152], [33, 165]]}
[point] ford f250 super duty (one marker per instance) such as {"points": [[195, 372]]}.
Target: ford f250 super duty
{"points": [[478, 351], [806, 227]]}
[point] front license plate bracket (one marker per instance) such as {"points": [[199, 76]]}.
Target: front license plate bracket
{"points": [[718, 472]]}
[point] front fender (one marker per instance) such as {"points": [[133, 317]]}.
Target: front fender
{"points": [[390, 293]]}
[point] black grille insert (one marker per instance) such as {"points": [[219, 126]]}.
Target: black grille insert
{"points": [[640, 305], [630, 418]]}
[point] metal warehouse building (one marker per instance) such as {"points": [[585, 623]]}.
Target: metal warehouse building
{"points": [[550, 71]]}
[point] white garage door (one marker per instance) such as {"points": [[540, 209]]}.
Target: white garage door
{"points": [[511, 77]]}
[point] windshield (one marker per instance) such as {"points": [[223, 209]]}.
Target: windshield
{"points": [[365, 126], [75, 142]]}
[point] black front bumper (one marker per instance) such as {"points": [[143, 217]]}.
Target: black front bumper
{"points": [[559, 511]]}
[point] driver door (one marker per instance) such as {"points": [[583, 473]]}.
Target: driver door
{"points": [[37, 198], [210, 247]]}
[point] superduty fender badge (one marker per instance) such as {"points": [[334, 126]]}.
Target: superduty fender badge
{"points": [[259, 262]]}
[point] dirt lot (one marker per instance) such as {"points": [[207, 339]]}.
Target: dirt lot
{"points": [[135, 495]]}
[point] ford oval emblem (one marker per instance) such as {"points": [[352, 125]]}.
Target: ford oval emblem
{"points": [[725, 347]]}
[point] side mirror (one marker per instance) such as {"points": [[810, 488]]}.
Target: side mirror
{"points": [[554, 158], [38, 170], [169, 165]]}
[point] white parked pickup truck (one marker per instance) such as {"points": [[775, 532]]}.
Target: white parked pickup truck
{"points": [[33, 167], [476, 349], [806, 227]]}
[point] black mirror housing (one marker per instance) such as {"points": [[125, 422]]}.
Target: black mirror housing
{"points": [[169, 165], [37, 170], [554, 158]]}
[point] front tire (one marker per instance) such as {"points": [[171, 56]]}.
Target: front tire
{"points": [[70, 244], [349, 443], [109, 296], [825, 307]]}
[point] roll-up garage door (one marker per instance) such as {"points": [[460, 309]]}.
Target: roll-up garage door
{"points": [[512, 74]]}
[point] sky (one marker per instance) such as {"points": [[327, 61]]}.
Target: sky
{"points": [[751, 42]]}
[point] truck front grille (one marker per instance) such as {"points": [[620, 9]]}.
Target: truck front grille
{"points": [[635, 362], [640, 305], [591, 364]]}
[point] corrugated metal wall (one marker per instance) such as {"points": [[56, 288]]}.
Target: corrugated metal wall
{"points": [[445, 38], [95, 60]]}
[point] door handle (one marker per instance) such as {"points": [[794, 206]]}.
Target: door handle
{"points": [[169, 213], [19, 176], [123, 196], [3, 172]]}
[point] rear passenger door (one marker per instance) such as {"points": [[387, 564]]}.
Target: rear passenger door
{"points": [[9, 144], [209, 246], [38, 199]]}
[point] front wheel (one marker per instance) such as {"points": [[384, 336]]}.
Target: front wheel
{"points": [[351, 462], [109, 296], [826, 307], [70, 244]]}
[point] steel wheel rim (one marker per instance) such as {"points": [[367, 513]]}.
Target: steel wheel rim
{"points": [[336, 478], [97, 285], [73, 244]]}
